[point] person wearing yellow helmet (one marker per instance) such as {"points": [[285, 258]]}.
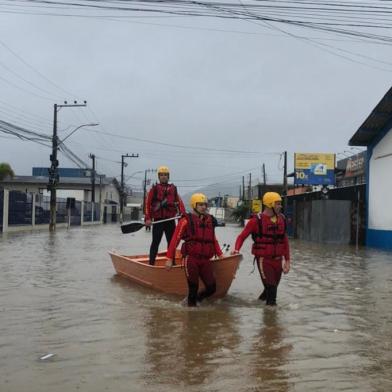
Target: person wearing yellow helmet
{"points": [[270, 245], [197, 229], [163, 202], [270, 198]]}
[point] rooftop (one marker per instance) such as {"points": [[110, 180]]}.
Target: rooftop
{"points": [[63, 180], [375, 124]]}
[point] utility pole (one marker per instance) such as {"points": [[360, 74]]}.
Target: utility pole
{"points": [[122, 196], [243, 188], [144, 191], [250, 186], [285, 182], [53, 173], [53, 170], [92, 156], [100, 188], [264, 176], [145, 187], [250, 194]]}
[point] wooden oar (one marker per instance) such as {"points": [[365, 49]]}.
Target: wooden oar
{"points": [[131, 227]]}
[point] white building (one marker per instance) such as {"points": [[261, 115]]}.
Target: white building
{"points": [[376, 134]]}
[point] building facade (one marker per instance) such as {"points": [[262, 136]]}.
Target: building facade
{"points": [[376, 134]]}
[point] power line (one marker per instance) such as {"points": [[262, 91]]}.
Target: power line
{"points": [[179, 145], [313, 15], [24, 79], [25, 90], [28, 116], [20, 58]]}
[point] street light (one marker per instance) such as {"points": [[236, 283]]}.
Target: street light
{"points": [[133, 174], [80, 126]]}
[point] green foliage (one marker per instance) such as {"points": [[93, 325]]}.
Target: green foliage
{"points": [[240, 213], [5, 171]]}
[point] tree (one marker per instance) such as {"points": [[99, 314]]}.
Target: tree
{"points": [[5, 171], [241, 213]]}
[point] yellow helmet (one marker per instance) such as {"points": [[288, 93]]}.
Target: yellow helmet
{"points": [[270, 198], [163, 170], [198, 198]]}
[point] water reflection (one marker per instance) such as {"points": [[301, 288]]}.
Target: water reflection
{"points": [[270, 355], [187, 345]]}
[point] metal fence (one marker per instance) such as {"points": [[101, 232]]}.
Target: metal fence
{"points": [[76, 214], [315, 222], [42, 209], [88, 211], [61, 210], [24, 207], [325, 221], [20, 208], [97, 212]]}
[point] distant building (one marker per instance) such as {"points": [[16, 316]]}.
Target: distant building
{"points": [[232, 201], [107, 189], [376, 134], [62, 171]]}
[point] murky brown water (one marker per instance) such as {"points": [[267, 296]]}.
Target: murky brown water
{"points": [[332, 330]]}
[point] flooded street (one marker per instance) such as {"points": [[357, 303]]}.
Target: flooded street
{"points": [[331, 331]]}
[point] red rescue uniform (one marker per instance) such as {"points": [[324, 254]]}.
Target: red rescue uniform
{"points": [[162, 202], [200, 245], [270, 246]]}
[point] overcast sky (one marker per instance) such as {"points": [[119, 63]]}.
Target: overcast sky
{"points": [[184, 81]]}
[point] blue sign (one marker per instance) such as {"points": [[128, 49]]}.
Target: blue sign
{"points": [[308, 177], [314, 169]]}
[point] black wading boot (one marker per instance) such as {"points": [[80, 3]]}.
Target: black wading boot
{"points": [[271, 295], [209, 290], [263, 295], [192, 294]]}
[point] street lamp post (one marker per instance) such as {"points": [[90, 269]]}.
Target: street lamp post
{"points": [[133, 174], [80, 126]]}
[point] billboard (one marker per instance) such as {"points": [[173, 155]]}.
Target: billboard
{"points": [[356, 165], [314, 169]]}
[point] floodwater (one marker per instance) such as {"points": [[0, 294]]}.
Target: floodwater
{"points": [[331, 330]]}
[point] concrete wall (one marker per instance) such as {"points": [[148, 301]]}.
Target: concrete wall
{"points": [[27, 188], [380, 185], [64, 193], [379, 230]]}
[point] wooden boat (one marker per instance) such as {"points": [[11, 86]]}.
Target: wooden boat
{"points": [[173, 281]]}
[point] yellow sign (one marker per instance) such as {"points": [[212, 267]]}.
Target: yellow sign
{"points": [[307, 160], [256, 206]]}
